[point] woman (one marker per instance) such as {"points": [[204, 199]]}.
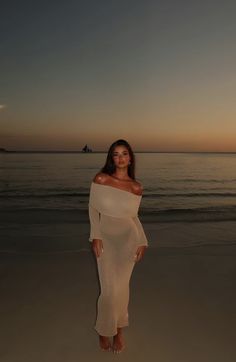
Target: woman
{"points": [[118, 240]]}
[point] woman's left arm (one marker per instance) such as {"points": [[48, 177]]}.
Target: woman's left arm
{"points": [[143, 242], [140, 253]]}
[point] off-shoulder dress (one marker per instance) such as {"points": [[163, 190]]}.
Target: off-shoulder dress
{"points": [[113, 215]]}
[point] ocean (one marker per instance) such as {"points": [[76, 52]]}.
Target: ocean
{"points": [[177, 186]]}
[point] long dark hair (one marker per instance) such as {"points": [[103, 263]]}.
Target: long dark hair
{"points": [[110, 167]]}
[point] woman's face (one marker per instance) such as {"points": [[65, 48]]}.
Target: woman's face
{"points": [[121, 156]]}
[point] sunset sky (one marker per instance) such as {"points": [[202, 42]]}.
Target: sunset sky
{"points": [[160, 74]]}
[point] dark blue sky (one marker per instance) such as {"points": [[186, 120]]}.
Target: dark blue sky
{"points": [[159, 73]]}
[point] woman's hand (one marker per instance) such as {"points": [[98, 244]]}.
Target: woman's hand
{"points": [[97, 247], [139, 253]]}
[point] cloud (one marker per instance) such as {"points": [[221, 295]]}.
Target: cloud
{"points": [[2, 106]]}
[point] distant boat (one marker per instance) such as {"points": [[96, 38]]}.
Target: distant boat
{"points": [[86, 149]]}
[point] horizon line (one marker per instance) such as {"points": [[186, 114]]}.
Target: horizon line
{"points": [[76, 151]]}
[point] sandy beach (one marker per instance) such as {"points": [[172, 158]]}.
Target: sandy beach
{"points": [[182, 297]]}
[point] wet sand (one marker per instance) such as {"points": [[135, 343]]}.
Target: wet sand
{"points": [[182, 294]]}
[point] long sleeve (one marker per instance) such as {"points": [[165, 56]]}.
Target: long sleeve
{"points": [[94, 217], [142, 236]]}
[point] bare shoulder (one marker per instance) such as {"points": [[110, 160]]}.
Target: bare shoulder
{"points": [[100, 178], [137, 188]]}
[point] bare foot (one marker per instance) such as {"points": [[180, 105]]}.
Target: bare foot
{"points": [[104, 343], [118, 343]]}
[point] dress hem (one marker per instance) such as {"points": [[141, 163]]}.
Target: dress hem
{"points": [[112, 334]]}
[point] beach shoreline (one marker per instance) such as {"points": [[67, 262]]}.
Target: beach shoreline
{"points": [[53, 230]]}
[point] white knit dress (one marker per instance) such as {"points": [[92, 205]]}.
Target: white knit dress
{"points": [[114, 219]]}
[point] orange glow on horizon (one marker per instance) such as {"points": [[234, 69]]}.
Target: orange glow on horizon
{"points": [[160, 142]]}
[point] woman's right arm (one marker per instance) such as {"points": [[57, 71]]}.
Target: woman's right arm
{"points": [[95, 235], [94, 216]]}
